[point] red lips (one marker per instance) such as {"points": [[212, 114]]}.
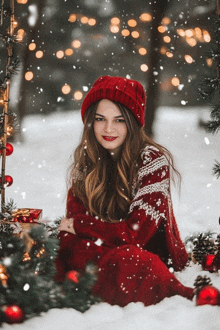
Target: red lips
{"points": [[109, 138]]}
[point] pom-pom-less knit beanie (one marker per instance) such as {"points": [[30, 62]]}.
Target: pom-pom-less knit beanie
{"points": [[128, 92]]}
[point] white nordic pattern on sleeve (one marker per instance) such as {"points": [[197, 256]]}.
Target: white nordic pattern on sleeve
{"points": [[152, 167], [162, 186], [149, 210]]}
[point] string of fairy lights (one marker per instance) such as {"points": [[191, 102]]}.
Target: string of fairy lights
{"points": [[132, 28]]}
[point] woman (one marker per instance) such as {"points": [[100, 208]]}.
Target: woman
{"points": [[119, 210]]}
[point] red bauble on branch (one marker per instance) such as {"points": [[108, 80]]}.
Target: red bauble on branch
{"points": [[13, 314], [9, 149], [208, 263], [8, 180], [73, 276], [208, 295]]}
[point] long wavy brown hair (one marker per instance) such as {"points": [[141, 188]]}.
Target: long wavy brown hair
{"points": [[102, 183]]}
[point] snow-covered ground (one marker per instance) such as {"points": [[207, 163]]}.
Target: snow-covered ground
{"points": [[39, 167]]}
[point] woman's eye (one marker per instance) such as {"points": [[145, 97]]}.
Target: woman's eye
{"points": [[121, 121], [98, 119]]}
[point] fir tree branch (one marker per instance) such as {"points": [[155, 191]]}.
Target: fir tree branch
{"points": [[216, 169]]}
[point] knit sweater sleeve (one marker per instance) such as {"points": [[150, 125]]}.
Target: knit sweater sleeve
{"points": [[147, 210]]}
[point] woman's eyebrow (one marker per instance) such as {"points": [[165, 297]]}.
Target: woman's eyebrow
{"points": [[104, 116]]}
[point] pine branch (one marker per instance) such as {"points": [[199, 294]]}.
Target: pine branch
{"points": [[207, 87], [216, 169], [213, 126]]}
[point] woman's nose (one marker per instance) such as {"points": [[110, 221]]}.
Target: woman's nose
{"points": [[109, 127]]}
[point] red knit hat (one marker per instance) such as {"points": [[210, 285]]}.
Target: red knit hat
{"points": [[125, 91]]}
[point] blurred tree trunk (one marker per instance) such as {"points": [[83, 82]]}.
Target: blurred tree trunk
{"points": [[24, 54], [153, 78]]}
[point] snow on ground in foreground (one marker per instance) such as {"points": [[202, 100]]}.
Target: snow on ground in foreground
{"points": [[39, 166]]}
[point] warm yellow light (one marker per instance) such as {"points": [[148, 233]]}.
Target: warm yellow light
{"points": [[66, 89], [135, 34], [167, 39], [175, 81], [92, 22], [191, 41], [114, 28], [39, 54], [76, 43], [68, 52], [163, 50], [20, 34], [189, 33], [60, 54], [206, 36], [142, 51], [188, 59], [84, 20], [29, 75], [78, 95], [169, 54], [23, 2], [32, 46], [115, 20], [181, 32], [161, 29], [209, 61], [145, 17], [144, 67], [166, 20], [125, 32], [132, 22], [198, 33], [72, 18]]}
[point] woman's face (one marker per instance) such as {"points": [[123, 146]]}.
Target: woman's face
{"points": [[109, 126]]}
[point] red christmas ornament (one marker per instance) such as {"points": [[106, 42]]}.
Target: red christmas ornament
{"points": [[13, 314], [208, 295], [208, 263], [8, 180], [9, 149], [73, 276]]}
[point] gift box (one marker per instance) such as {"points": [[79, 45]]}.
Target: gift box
{"points": [[25, 215]]}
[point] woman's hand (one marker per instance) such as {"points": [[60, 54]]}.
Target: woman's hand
{"points": [[66, 224]]}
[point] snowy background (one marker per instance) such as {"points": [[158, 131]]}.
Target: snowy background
{"points": [[39, 166]]}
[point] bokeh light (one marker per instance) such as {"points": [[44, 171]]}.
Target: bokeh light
{"points": [[161, 29], [144, 67], [114, 28], [78, 95], [60, 54], [29, 75], [92, 21], [188, 59], [175, 81], [135, 34], [76, 43], [39, 54], [115, 20], [125, 32], [142, 51], [132, 22], [66, 89], [72, 18], [145, 17], [69, 52], [32, 46]]}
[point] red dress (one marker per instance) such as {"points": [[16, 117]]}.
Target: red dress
{"points": [[132, 255]]}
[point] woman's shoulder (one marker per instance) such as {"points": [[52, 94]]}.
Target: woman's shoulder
{"points": [[151, 153]]}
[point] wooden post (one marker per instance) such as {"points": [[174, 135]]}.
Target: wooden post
{"points": [[6, 101]]}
